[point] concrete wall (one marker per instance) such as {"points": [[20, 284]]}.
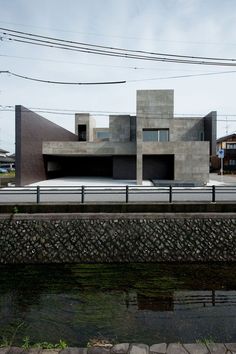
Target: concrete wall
{"points": [[119, 128], [186, 129], [191, 158], [94, 238], [31, 131], [155, 111], [71, 148], [210, 131], [155, 104]]}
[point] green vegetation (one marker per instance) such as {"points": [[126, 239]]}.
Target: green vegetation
{"points": [[15, 210], [26, 344], [43, 345], [209, 340], [8, 341], [10, 174]]}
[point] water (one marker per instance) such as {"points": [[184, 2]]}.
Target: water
{"points": [[148, 303]]}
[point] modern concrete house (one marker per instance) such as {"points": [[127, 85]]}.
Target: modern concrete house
{"points": [[152, 145]]}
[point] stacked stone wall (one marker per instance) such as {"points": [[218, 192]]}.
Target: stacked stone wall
{"points": [[93, 238]]}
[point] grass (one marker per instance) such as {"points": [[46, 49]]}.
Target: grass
{"points": [[8, 174]]}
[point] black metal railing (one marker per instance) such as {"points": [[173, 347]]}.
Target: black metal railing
{"points": [[121, 194]]}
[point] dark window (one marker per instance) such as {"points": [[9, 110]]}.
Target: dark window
{"points": [[231, 145], [156, 135], [201, 136], [82, 132], [232, 162]]}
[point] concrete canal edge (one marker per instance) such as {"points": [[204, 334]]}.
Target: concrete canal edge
{"points": [[127, 348], [122, 237], [43, 208]]}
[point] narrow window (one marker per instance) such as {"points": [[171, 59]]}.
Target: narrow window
{"points": [[232, 162], [82, 132]]}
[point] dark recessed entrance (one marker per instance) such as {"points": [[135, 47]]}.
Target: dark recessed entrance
{"points": [[60, 166], [158, 167]]}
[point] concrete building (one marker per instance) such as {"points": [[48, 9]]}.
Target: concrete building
{"points": [[151, 145]]}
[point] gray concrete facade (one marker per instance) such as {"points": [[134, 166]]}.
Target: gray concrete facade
{"points": [[161, 145]]}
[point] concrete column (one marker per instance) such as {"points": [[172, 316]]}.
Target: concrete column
{"points": [[154, 110], [139, 152]]}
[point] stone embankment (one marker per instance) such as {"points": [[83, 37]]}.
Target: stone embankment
{"points": [[126, 348], [121, 238]]}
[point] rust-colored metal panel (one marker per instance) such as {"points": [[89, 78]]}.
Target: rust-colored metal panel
{"points": [[31, 131]]}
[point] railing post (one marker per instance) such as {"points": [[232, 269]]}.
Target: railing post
{"points": [[213, 199], [82, 194], [170, 194], [38, 194], [127, 194]]}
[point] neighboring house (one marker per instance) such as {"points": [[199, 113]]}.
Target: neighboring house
{"points": [[151, 145], [228, 144], [6, 162]]}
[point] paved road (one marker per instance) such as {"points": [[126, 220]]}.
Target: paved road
{"points": [[112, 194]]}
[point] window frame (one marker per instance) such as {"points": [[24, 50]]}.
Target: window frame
{"points": [[158, 132]]}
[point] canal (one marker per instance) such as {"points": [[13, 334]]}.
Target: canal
{"points": [[145, 303]]}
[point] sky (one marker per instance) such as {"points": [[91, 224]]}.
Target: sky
{"points": [[185, 27]]}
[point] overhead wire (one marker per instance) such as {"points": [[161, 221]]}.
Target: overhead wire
{"points": [[125, 55], [35, 39], [99, 65], [114, 82], [62, 82], [184, 76], [72, 112], [33, 36]]}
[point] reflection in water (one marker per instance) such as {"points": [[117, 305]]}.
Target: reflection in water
{"points": [[147, 303]]}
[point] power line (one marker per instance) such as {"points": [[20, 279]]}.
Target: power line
{"points": [[30, 38], [98, 65], [59, 111], [34, 36], [125, 55], [62, 82], [115, 82], [182, 76]]}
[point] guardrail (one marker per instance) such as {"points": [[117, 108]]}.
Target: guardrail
{"points": [[122, 194]]}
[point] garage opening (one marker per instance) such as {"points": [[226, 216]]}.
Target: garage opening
{"points": [[60, 166], [124, 167], [158, 167]]}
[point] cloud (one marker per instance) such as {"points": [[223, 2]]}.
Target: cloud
{"points": [[196, 27]]}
